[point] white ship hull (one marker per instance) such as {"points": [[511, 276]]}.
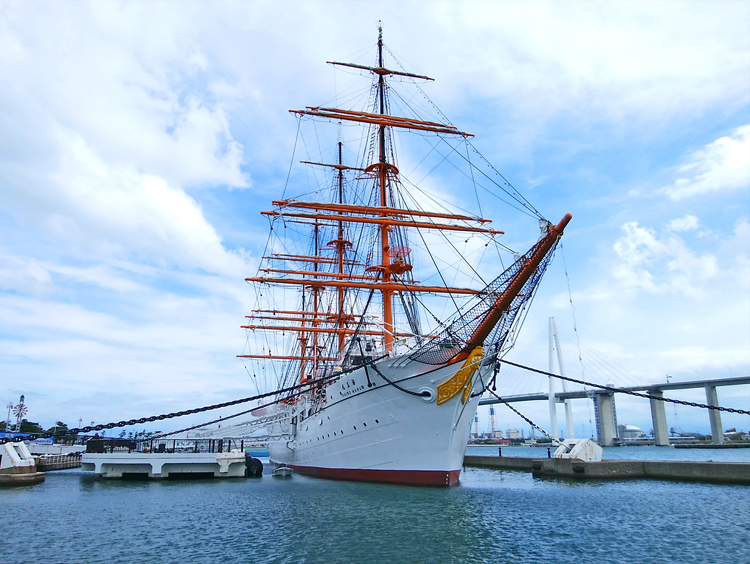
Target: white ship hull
{"points": [[378, 433]]}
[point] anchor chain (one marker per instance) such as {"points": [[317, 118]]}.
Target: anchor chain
{"points": [[628, 392], [174, 414], [162, 417], [529, 421]]}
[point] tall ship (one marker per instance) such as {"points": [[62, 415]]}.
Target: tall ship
{"points": [[380, 313]]}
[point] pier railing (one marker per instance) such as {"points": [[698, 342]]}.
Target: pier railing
{"points": [[160, 446]]}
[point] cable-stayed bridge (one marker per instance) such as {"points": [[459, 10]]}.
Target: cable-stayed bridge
{"points": [[604, 403]]}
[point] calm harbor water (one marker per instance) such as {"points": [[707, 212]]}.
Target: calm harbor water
{"points": [[628, 453], [493, 516]]}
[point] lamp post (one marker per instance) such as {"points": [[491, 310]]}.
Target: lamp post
{"points": [[7, 419]]}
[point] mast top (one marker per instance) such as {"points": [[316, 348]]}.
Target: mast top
{"points": [[380, 69], [380, 43]]}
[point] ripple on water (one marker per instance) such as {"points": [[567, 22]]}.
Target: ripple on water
{"points": [[494, 516]]}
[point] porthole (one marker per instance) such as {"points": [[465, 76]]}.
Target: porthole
{"points": [[334, 433], [376, 421], [365, 424], [355, 427]]}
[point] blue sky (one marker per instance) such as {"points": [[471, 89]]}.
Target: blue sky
{"points": [[142, 139]]}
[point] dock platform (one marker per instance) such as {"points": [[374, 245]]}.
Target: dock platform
{"points": [[712, 472], [165, 465]]}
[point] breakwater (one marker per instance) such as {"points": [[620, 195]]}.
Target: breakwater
{"points": [[710, 472]]}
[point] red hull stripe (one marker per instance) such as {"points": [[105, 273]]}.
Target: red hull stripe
{"points": [[440, 478]]}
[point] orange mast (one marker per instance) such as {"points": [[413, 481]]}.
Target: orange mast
{"points": [[340, 250], [385, 228], [383, 274]]}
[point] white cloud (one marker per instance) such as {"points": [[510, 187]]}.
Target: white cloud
{"points": [[130, 212], [657, 265], [108, 119], [662, 306], [118, 118], [688, 357], [723, 165], [614, 59], [687, 223], [22, 274]]}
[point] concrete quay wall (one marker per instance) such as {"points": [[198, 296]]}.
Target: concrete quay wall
{"points": [[731, 472], [502, 462], [713, 472]]}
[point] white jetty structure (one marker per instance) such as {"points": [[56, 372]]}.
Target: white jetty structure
{"points": [[160, 463], [17, 466], [165, 465]]}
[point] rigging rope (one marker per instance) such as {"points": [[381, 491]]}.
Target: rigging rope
{"points": [[575, 321], [392, 383], [529, 421], [575, 324]]}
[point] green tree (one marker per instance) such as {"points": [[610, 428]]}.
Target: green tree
{"points": [[31, 427], [59, 428]]}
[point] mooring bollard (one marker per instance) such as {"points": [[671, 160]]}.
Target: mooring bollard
{"points": [[549, 453], [499, 451]]}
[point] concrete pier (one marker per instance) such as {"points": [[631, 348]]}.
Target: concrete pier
{"points": [[712, 472], [165, 465], [714, 415], [659, 418], [606, 424], [500, 462]]}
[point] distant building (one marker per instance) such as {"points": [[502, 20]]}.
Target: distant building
{"points": [[497, 434], [735, 435], [513, 433], [627, 432]]}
